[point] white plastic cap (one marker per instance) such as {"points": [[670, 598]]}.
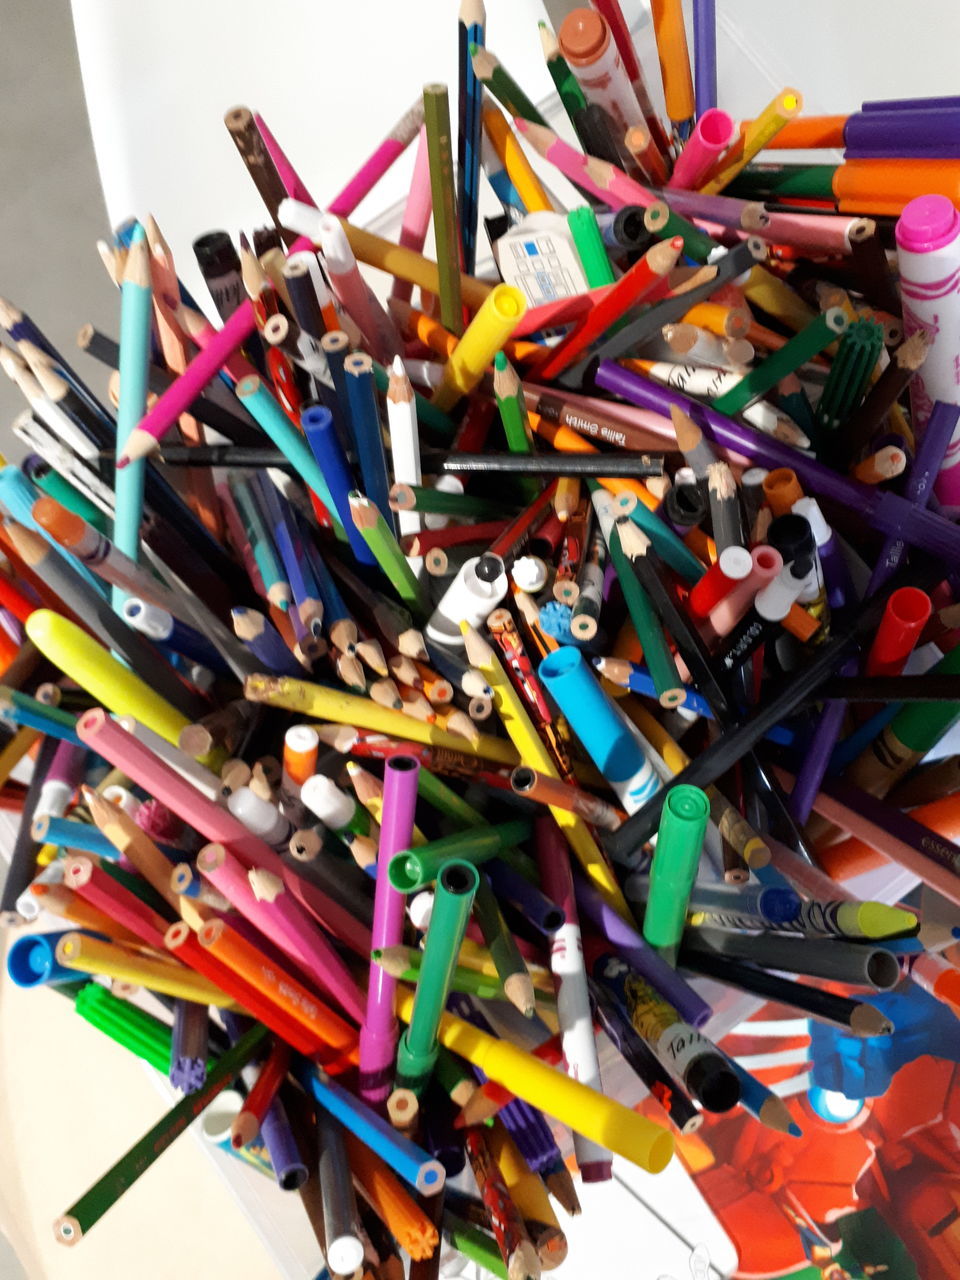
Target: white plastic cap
{"points": [[773, 602], [809, 508], [323, 797], [736, 563], [257, 815], [529, 573], [147, 618]]}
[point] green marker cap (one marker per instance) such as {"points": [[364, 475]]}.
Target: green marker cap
{"points": [[674, 870]]}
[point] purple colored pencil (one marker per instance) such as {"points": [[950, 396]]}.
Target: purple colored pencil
{"points": [[378, 1035], [537, 908], [630, 944], [705, 54], [727, 211], [66, 766], [531, 1133], [277, 1133], [265, 642], [885, 511]]}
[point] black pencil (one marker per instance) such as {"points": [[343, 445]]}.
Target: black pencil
{"points": [[107, 351], [931, 687], [858, 1016], [559, 464]]}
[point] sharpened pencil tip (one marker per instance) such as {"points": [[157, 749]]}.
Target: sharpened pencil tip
{"points": [[795, 1131]]}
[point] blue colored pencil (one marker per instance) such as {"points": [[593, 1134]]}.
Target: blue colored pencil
{"points": [[405, 1158], [368, 434], [136, 312], [762, 1103], [318, 427], [470, 31]]}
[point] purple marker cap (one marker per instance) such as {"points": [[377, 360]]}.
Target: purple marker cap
{"points": [[927, 223], [912, 104], [903, 133]]}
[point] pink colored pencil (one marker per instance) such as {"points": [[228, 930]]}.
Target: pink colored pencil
{"points": [[285, 170], [597, 177], [329, 913], [217, 823], [378, 1032], [95, 886], [178, 397], [203, 368], [416, 213], [712, 135], [373, 169], [810, 231], [355, 295], [279, 917]]}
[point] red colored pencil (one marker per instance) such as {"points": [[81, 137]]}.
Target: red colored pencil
{"points": [[642, 280]]}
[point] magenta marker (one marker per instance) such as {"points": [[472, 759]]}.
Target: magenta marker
{"points": [[928, 249], [713, 134], [378, 1035]]}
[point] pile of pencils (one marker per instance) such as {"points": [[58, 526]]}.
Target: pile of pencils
{"points": [[417, 690]]}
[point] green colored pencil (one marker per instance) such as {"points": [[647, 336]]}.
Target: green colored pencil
{"points": [[665, 223], [489, 69], [379, 537], [436, 118], [513, 414], [568, 87], [104, 1194], [406, 964], [422, 497], [803, 346], [656, 652], [475, 1244], [511, 970]]}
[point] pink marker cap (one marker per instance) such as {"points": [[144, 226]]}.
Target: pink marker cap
{"points": [[927, 223]]}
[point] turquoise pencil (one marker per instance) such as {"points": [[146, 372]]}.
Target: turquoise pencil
{"points": [[284, 435], [136, 311]]}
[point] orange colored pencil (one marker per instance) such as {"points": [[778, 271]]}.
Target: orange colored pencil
{"points": [[396, 1208], [280, 987]]}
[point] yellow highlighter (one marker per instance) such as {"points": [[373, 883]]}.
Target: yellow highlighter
{"points": [[95, 669], [92, 955], [489, 329], [604, 1120]]}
